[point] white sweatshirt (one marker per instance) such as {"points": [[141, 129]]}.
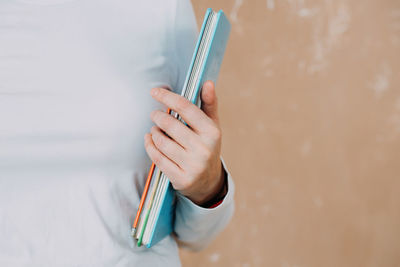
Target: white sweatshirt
{"points": [[75, 77]]}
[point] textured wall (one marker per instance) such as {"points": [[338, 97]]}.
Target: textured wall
{"points": [[310, 105]]}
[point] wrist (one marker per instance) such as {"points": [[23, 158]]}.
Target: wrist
{"points": [[213, 194], [218, 193]]}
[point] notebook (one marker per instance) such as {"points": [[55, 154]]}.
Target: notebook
{"points": [[156, 213]]}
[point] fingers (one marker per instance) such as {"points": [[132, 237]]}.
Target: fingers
{"points": [[191, 114], [209, 101], [187, 155], [167, 146], [163, 163], [174, 128]]}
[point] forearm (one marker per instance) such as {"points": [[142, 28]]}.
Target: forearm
{"points": [[196, 226]]}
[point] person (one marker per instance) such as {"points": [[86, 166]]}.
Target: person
{"points": [[76, 99]]}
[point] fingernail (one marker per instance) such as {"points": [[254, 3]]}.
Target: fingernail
{"points": [[154, 91]]}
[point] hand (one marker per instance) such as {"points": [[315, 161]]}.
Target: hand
{"points": [[189, 156]]}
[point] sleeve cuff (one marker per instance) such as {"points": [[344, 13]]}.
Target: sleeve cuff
{"points": [[196, 226]]}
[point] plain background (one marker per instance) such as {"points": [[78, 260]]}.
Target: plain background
{"points": [[310, 107]]}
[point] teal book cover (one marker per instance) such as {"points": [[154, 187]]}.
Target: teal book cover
{"points": [[209, 69]]}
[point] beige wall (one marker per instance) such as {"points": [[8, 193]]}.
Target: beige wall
{"points": [[310, 104]]}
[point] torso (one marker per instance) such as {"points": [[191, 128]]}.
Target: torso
{"points": [[75, 78]]}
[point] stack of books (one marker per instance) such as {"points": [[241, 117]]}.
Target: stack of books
{"points": [[155, 216]]}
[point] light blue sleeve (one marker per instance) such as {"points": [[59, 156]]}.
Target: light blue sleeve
{"points": [[196, 226]]}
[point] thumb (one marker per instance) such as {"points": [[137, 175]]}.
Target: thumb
{"points": [[209, 100]]}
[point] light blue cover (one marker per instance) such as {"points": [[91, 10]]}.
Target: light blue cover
{"points": [[165, 218]]}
